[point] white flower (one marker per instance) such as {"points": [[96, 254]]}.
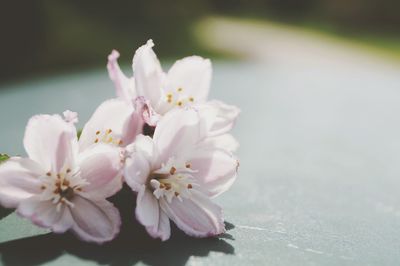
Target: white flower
{"points": [[58, 187], [187, 83], [176, 174]]}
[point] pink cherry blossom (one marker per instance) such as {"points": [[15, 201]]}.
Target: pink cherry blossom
{"points": [[114, 122], [60, 188], [187, 83], [177, 173]]}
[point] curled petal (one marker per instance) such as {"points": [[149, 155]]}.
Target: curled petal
{"points": [[147, 112], [114, 121], [192, 75], [197, 216], [218, 116], [45, 214], [215, 169], [148, 73], [149, 214], [101, 166], [95, 221], [51, 142], [124, 87], [225, 142], [18, 181]]}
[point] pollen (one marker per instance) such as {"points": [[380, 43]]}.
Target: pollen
{"points": [[191, 99], [179, 89], [172, 170], [179, 103]]}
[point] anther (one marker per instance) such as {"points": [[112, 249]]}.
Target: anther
{"points": [[179, 103], [43, 187], [97, 132], [58, 176], [172, 170], [96, 141], [48, 174], [65, 183], [176, 194], [189, 186], [191, 99], [167, 186], [120, 142], [179, 89], [68, 170], [188, 165], [109, 131]]}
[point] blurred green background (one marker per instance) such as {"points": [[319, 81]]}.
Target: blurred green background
{"points": [[42, 37]]}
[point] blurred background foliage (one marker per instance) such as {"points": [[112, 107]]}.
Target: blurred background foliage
{"points": [[40, 37]]}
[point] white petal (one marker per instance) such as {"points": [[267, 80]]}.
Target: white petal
{"points": [[148, 73], [51, 142], [114, 114], [215, 169], [101, 166], [45, 214], [138, 162], [18, 181], [149, 214], [95, 221], [197, 216], [177, 132], [219, 117], [124, 87], [148, 114], [225, 142], [193, 75]]}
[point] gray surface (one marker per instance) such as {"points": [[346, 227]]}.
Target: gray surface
{"points": [[319, 175]]}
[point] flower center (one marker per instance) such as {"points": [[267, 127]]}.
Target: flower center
{"points": [[172, 180], [60, 188], [107, 136], [178, 98]]}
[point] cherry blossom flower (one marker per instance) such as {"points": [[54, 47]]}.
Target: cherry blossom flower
{"points": [[114, 122], [176, 173], [187, 83], [60, 188]]}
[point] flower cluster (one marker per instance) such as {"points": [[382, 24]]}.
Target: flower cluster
{"points": [[160, 135]]}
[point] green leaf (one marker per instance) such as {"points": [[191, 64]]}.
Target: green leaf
{"points": [[3, 157]]}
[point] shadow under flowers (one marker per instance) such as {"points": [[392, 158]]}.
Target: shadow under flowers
{"points": [[132, 245]]}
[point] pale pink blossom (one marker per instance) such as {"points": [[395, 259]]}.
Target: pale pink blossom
{"points": [[60, 188], [114, 122], [176, 173], [187, 83]]}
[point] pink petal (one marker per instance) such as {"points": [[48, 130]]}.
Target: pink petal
{"points": [[51, 142], [225, 142], [197, 216], [124, 87], [114, 114], [219, 116], [149, 214], [18, 181], [148, 74], [45, 214], [101, 166], [177, 132], [148, 114], [193, 75], [215, 169], [138, 162], [95, 221]]}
